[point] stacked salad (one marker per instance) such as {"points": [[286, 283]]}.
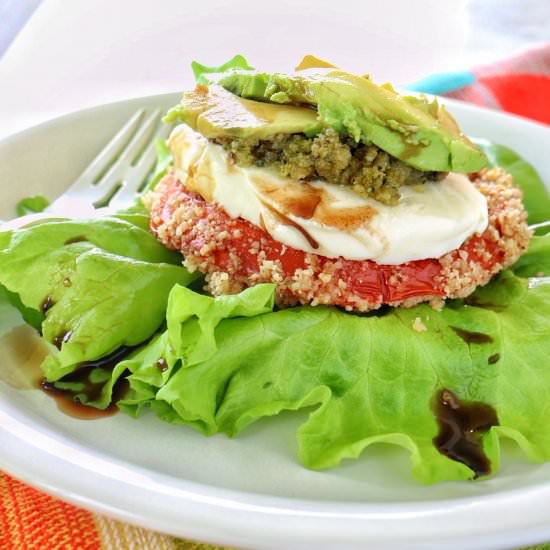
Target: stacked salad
{"points": [[116, 307]]}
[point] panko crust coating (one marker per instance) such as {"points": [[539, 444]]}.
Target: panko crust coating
{"points": [[235, 254]]}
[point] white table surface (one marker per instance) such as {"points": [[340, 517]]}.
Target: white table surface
{"points": [[74, 54]]}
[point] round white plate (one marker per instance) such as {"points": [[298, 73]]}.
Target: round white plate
{"points": [[250, 491]]}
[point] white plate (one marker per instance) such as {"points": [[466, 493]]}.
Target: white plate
{"points": [[249, 491]]}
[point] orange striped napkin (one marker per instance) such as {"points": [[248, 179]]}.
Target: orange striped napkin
{"points": [[32, 520]]}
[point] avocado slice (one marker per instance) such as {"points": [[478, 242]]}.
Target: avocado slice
{"points": [[419, 132], [215, 112]]}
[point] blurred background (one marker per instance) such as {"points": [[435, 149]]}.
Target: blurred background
{"points": [[58, 56]]}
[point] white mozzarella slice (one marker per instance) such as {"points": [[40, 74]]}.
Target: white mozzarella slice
{"points": [[328, 219]]}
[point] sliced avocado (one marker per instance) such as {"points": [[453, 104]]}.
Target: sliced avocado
{"points": [[419, 132], [313, 62], [215, 112]]}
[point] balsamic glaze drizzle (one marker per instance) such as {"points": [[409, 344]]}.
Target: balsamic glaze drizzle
{"points": [[461, 428]]}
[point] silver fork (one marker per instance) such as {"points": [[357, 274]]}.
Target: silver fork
{"points": [[115, 176], [118, 173]]}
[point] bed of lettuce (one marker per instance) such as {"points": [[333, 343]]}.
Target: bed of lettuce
{"points": [[219, 364]]}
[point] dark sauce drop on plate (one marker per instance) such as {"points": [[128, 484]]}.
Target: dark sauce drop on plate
{"points": [[67, 403], [461, 427], [66, 399], [22, 352]]}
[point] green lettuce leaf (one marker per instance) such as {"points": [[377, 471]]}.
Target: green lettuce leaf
{"points": [[190, 339], [535, 195], [149, 371], [29, 315], [536, 262], [200, 71], [192, 318], [112, 302], [371, 379], [31, 205], [99, 284]]}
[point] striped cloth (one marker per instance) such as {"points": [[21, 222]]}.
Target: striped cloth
{"points": [[31, 520], [519, 85]]}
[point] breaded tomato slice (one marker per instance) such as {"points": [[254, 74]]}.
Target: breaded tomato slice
{"points": [[235, 254]]}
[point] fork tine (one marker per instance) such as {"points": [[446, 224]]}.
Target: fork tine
{"points": [[538, 281], [135, 177], [102, 160], [117, 171], [140, 171], [540, 225], [150, 153]]}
